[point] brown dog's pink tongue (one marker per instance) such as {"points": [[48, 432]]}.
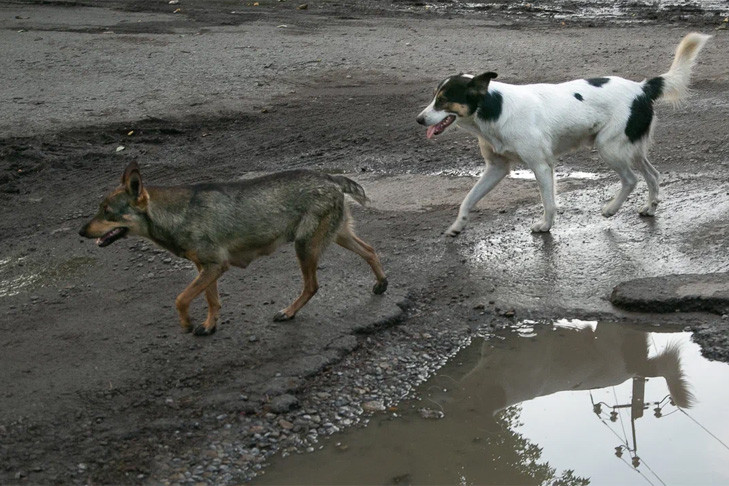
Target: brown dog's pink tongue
{"points": [[431, 131]]}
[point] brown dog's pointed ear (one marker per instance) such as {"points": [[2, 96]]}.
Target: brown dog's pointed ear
{"points": [[132, 180], [480, 83]]}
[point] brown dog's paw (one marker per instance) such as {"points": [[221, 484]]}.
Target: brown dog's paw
{"points": [[202, 331], [380, 287], [282, 316]]}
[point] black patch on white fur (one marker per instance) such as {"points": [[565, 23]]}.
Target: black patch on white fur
{"points": [[579, 96], [459, 89], [641, 111], [453, 90], [489, 108], [597, 82]]}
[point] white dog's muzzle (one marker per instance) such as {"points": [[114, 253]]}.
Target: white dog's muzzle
{"points": [[436, 120]]}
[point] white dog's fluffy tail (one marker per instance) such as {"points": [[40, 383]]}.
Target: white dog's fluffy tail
{"points": [[676, 80], [668, 365]]}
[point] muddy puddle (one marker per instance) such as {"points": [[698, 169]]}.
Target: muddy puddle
{"points": [[569, 403]]}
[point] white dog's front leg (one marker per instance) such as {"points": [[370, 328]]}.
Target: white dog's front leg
{"points": [[544, 174], [496, 170]]}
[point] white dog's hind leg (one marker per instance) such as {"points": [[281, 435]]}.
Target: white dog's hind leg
{"points": [[544, 173], [650, 174], [628, 180], [496, 169]]}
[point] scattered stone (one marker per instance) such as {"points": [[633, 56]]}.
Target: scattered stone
{"points": [[373, 406], [283, 403], [285, 424], [428, 413]]}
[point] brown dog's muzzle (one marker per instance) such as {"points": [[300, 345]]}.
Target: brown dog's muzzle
{"points": [[104, 235]]}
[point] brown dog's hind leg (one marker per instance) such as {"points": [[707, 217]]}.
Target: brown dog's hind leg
{"points": [[206, 278], [347, 239], [308, 261], [315, 233]]}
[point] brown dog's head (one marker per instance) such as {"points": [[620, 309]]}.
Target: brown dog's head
{"points": [[121, 212]]}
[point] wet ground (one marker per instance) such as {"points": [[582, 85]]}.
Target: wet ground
{"points": [[573, 402], [100, 386]]}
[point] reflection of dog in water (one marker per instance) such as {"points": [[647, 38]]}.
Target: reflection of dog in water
{"points": [[571, 358]]}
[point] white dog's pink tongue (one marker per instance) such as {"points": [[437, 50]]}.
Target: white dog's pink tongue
{"points": [[431, 131]]}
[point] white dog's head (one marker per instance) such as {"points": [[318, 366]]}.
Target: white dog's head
{"points": [[455, 97]]}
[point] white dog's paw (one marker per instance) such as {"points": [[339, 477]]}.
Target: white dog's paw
{"points": [[456, 227], [609, 210], [648, 210], [541, 227]]}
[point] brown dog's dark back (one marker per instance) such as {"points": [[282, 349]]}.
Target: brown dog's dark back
{"points": [[242, 216]]}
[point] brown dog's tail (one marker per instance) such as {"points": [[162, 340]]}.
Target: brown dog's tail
{"points": [[352, 188]]}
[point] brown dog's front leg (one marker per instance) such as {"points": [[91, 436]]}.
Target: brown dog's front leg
{"points": [[213, 300], [206, 278]]}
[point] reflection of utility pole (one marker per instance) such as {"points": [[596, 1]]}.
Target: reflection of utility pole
{"points": [[637, 407]]}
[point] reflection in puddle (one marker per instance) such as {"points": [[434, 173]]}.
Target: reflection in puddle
{"points": [[571, 403]]}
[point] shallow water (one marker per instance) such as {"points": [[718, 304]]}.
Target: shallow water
{"points": [[575, 402], [516, 173], [575, 174]]}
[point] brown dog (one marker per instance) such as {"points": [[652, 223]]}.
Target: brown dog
{"points": [[217, 225]]}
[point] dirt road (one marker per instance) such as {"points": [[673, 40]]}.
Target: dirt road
{"points": [[98, 383]]}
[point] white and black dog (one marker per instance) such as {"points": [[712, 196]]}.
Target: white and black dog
{"points": [[535, 123]]}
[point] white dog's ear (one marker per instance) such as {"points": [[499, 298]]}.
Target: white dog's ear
{"points": [[480, 83]]}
